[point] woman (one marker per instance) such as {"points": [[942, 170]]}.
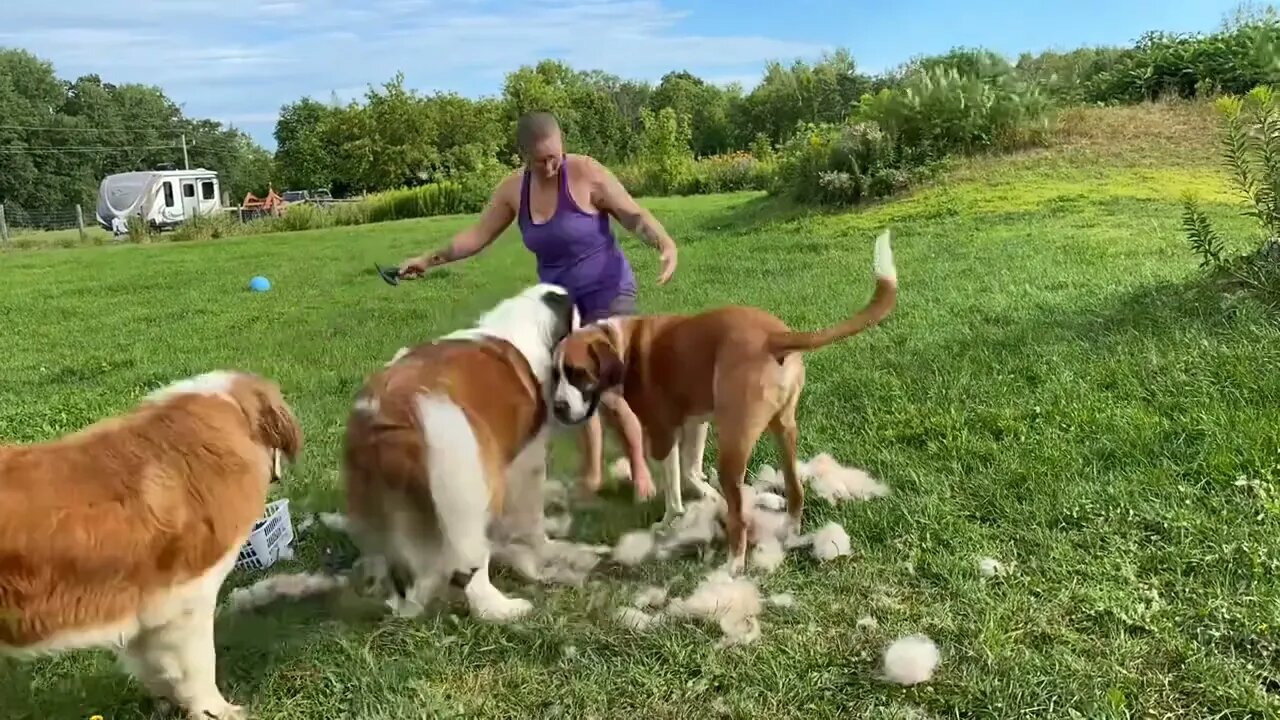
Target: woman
{"points": [[563, 203]]}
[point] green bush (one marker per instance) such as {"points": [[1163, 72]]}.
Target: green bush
{"points": [[727, 173], [1232, 61], [940, 110], [844, 164], [962, 103]]}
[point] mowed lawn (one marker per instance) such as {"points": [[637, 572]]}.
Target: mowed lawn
{"points": [[1055, 390]]}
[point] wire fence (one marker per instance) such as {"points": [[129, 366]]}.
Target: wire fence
{"points": [[17, 223], [79, 224]]}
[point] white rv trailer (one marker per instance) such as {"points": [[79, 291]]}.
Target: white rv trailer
{"points": [[163, 198]]}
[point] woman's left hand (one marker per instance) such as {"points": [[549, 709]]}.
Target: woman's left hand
{"points": [[668, 261]]}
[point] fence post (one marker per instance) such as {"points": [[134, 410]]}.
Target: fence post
{"points": [[4, 227], [80, 221]]}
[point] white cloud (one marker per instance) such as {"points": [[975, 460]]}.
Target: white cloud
{"points": [[245, 58]]}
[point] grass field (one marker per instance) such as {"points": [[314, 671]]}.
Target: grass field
{"points": [[1056, 389]]}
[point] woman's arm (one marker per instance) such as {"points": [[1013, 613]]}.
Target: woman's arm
{"points": [[496, 217], [609, 195]]}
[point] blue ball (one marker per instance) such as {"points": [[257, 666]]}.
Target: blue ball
{"points": [[259, 284]]}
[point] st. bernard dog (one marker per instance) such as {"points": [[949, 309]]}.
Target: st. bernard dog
{"points": [[739, 366], [448, 436], [121, 534]]}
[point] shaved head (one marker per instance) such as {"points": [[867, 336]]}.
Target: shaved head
{"points": [[533, 127], [539, 143]]}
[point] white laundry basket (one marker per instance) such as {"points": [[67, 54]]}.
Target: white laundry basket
{"points": [[270, 539]]}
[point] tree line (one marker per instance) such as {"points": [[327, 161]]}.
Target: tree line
{"points": [[58, 138]]}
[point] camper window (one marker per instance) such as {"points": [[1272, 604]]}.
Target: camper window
{"points": [[188, 190], [206, 189], [168, 194]]}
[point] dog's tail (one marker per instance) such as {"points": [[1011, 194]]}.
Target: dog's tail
{"points": [[459, 491], [881, 304]]}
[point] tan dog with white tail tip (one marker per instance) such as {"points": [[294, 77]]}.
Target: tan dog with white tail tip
{"points": [[739, 366]]}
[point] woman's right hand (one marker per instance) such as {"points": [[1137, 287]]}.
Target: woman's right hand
{"points": [[417, 266]]}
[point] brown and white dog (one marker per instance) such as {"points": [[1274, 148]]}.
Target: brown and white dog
{"points": [[447, 437], [121, 534], [739, 366]]}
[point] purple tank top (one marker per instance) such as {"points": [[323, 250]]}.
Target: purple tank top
{"points": [[576, 250]]}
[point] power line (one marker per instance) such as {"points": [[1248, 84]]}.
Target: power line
{"points": [[84, 148], [93, 129]]}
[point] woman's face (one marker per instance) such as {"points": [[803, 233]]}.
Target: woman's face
{"points": [[545, 156]]}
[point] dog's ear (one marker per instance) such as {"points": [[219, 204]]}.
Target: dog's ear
{"points": [[271, 420], [609, 368], [562, 306]]}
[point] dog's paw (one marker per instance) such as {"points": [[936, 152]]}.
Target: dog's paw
{"points": [[502, 609]]}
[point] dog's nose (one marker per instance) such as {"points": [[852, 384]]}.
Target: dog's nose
{"points": [[560, 408]]}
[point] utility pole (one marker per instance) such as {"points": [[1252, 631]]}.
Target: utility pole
{"points": [[186, 161]]}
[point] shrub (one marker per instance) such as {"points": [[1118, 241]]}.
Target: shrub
{"points": [[727, 173], [1231, 61], [203, 227], [138, 230], [965, 102], [843, 164], [1250, 136]]}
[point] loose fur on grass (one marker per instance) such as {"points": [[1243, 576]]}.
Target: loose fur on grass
{"points": [[830, 542], [910, 660], [782, 600], [650, 597], [836, 483], [633, 548], [770, 533], [292, 586], [733, 602], [768, 556], [638, 620]]}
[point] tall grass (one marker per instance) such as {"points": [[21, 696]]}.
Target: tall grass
{"points": [[444, 198], [730, 172]]}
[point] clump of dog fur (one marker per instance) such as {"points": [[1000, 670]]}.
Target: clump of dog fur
{"points": [[734, 603], [910, 660], [770, 534]]}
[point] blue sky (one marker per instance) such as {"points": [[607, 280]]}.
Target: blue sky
{"points": [[240, 60]]}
